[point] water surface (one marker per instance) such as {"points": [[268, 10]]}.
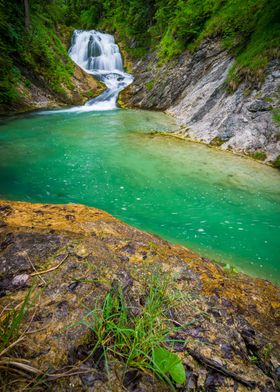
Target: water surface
{"points": [[223, 206]]}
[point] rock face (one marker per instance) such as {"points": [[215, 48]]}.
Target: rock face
{"points": [[38, 96], [72, 255], [192, 88]]}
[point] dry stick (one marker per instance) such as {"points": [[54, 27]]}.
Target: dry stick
{"points": [[53, 377], [11, 345], [50, 269], [8, 361], [13, 370], [33, 266], [22, 336], [36, 330]]}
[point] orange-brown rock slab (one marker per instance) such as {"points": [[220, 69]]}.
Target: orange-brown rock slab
{"points": [[72, 254]]}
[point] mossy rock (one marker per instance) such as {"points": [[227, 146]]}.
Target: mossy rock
{"points": [[276, 162], [258, 155], [217, 141]]}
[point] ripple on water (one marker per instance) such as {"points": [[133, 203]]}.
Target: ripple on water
{"points": [[221, 205]]}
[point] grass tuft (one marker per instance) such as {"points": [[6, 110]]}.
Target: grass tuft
{"points": [[10, 325], [141, 337]]}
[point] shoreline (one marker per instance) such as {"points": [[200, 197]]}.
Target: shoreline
{"points": [[176, 134], [227, 266], [73, 257]]}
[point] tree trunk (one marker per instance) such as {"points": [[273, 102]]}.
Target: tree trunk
{"points": [[26, 14]]}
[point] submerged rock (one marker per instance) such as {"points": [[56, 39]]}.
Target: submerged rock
{"points": [[229, 335]]}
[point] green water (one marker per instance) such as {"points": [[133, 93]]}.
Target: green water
{"points": [[223, 206]]}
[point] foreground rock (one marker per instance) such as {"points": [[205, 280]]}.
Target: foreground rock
{"points": [[193, 89], [73, 255]]}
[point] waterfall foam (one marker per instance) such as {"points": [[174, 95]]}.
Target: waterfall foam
{"points": [[98, 54]]}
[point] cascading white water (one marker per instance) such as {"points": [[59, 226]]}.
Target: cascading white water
{"points": [[98, 54]]}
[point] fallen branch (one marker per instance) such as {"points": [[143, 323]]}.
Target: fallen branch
{"points": [[8, 362]]}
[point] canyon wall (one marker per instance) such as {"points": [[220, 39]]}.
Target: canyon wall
{"points": [[193, 88]]}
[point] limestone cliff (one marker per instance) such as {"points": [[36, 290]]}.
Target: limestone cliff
{"points": [[72, 256], [193, 89]]}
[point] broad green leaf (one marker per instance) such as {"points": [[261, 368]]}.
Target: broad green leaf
{"points": [[178, 373], [168, 362]]}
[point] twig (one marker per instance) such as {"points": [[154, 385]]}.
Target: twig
{"points": [[11, 345], [53, 377], [19, 364], [50, 269], [33, 266]]}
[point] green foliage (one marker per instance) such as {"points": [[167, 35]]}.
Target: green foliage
{"points": [[150, 85], [253, 359], [168, 362], [142, 337], [276, 163], [37, 50], [266, 351], [231, 270], [276, 116], [248, 29], [258, 155], [10, 324]]}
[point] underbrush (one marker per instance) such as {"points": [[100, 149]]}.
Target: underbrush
{"points": [[13, 330], [141, 337], [36, 53]]}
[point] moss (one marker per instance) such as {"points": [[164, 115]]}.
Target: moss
{"points": [[217, 141], [276, 162], [276, 116], [246, 92], [258, 155], [150, 85]]}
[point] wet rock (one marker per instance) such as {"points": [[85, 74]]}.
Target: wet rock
{"points": [[7, 241], [91, 376], [227, 350], [192, 378], [259, 106]]}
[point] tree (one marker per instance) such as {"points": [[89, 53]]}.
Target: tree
{"points": [[26, 14]]}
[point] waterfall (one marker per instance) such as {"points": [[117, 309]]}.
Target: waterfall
{"points": [[98, 54]]}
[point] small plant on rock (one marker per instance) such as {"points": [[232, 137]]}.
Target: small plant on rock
{"points": [[141, 337]]}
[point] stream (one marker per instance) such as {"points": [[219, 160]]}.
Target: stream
{"points": [[223, 206]]}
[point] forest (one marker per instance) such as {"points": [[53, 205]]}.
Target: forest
{"points": [[35, 34]]}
